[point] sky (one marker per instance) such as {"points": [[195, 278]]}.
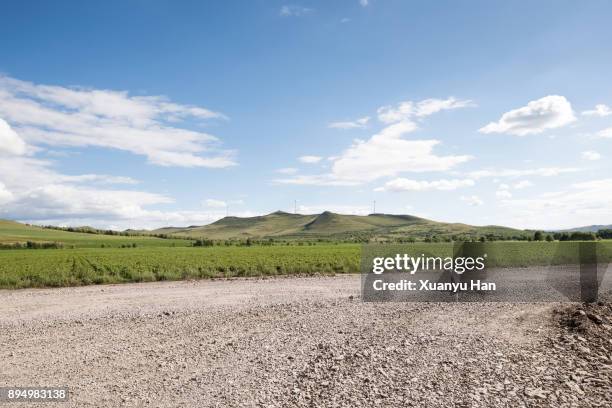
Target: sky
{"points": [[143, 114]]}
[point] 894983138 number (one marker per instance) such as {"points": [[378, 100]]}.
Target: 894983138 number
{"points": [[33, 394]]}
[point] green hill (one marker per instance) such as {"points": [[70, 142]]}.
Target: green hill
{"points": [[12, 232], [329, 225]]}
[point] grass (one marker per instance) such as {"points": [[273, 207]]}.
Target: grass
{"points": [[85, 266], [11, 232], [336, 226], [44, 268]]}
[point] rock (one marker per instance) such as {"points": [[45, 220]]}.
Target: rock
{"points": [[595, 318]]}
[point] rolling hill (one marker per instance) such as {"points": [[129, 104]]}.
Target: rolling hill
{"points": [[330, 225], [12, 232], [588, 228]]}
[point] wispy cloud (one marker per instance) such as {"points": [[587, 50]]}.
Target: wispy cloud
{"points": [[581, 203], [473, 200], [143, 125], [403, 184], [287, 170], [294, 11], [409, 110], [387, 153], [590, 155], [354, 124], [310, 159], [515, 173], [550, 112], [600, 110], [605, 134]]}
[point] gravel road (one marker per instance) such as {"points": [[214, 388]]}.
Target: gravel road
{"points": [[303, 342]]}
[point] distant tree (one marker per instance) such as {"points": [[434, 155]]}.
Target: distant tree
{"points": [[538, 236], [549, 238], [605, 233]]}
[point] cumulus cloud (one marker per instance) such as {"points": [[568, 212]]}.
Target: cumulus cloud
{"points": [[409, 110], [600, 110], [310, 159], [590, 155], [10, 142], [403, 184], [388, 153], [355, 124], [473, 200], [143, 125], [294, 11], [550, 112]]}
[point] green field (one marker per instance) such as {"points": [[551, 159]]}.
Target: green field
{"points": [[14, 232], [83, 266], [69, 267]]}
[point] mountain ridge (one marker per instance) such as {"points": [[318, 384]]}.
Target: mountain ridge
{"points": [[280, 224]]}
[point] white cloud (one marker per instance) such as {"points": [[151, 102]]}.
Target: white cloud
{"points": [[143, 125], [605, 134], [387, 153], [550, 112], [10, 142], [403, 184], [590, 155], [522, 184], [600, 110], [211, 202], [409, 110], [335, 208], [580, 204], [513, 173], [5, 194], [287, 170], [294, 11], [355, 124], [316, 180], [310, 159], [364, 3], [503, 194], [474, 200]]}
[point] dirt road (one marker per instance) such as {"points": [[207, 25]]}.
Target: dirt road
{"points": [[287, 342]]}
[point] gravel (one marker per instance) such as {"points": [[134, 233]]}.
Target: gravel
{"points": [[300, 342]]}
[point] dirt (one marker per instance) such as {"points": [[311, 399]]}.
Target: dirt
{"points": [[299, 342]]}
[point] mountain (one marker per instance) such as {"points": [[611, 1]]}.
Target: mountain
{"points": [[334, 226], [588, 228]]}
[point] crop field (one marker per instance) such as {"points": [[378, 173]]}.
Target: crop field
{"points": [[62, 267], [83, 266]]}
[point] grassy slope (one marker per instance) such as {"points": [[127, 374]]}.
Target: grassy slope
{"points": [[11, 231], [330, 225]]}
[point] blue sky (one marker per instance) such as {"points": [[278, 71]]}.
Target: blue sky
{"points": [[148, 113]]}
